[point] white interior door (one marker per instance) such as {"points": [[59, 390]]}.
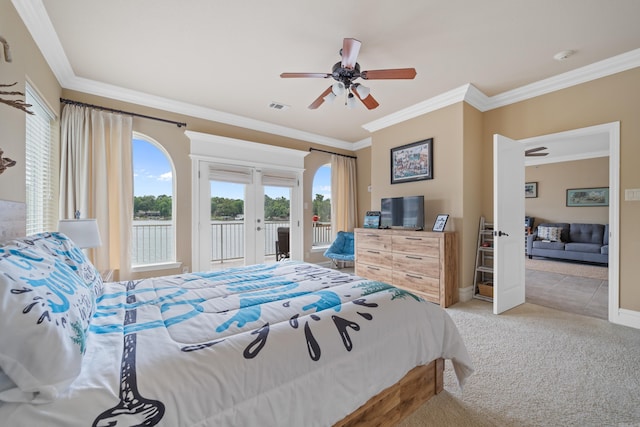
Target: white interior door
{"points": [[508, 212]]}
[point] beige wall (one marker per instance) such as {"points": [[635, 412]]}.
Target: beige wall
{"points": [[364, 183], [609, 99], [443, 194], [553, 181], [28, 63]]}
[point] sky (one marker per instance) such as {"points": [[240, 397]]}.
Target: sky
{"points": [[152, 176]]}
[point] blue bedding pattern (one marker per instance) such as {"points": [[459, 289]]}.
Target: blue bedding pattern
{"points": [[254, 287]]}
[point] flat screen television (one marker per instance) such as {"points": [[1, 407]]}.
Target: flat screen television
{"points": [[402, 212]]}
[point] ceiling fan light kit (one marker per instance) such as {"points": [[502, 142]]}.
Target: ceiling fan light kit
{"points": [[348, 70]]}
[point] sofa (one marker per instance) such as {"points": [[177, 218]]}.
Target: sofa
{"points": [[576, 241]]}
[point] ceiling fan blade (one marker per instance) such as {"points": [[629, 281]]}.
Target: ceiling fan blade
{"points": [[349, 52], [368, 102], [319, 100], [395, 73], [534, 152], [295, 75]]}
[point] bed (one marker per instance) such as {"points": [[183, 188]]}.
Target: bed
{"points": [[287, 343]]}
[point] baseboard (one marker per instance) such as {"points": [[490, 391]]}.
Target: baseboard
{"points": [[627, 318], [465, 294]]}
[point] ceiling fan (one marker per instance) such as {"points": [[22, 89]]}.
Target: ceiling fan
{"points": [[348, 70], [535, 152]]}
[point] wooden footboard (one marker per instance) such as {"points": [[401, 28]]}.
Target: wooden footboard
{"points": [[393, 404]]}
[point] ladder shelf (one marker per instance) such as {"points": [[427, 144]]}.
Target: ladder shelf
{"points": [[483, 272]]}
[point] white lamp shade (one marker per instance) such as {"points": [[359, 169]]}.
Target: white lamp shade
{"points": [[363, 91], [83, 232], [351, 101], [330, 97], [337, 88]]}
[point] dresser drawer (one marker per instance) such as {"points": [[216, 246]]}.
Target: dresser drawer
{"points": [[418, 264], [374, 272], [428, 246], [372, 240], [427, 287], [374, 257]]}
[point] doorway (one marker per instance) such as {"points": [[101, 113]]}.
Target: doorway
{"points": [[589, 142]]}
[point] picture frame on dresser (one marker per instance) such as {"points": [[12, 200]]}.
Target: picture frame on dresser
{"points": [[441, 222]]}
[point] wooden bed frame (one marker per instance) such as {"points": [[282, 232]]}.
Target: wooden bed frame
{"points": [[387, 408], [395, 403]]}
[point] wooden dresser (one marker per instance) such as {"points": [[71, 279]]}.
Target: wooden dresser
{"points": [[422, 262]]}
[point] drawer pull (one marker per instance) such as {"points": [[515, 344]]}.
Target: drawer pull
{"points": [[373, 268], [413, 276], [413, 238], [373, 235], [374, 252], [414, 257]]}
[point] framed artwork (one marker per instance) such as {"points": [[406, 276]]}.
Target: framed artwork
{"points": [[412, 162], [588, 196], [441, 222], [530, 189], [372, 219]]}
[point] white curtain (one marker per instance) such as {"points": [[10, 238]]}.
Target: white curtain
{"points": [[344, 207], [96, 178]]}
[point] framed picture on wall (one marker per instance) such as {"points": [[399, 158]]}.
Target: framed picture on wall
{"points": [[412, 162], [588, 196], [530, 189]]}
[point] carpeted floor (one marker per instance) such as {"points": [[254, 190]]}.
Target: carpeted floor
{"points": [[537, 366]]}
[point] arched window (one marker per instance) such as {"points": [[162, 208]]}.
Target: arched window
{"points": [[153, 208], [322, 206]]}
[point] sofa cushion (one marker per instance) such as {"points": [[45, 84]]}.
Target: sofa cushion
{"points": [[541, 244], [605, 240], [583, 247], [564, 236], [604, 250], [586, 233], [550, 233]]}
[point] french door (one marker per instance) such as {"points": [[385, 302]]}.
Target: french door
{"points": [[241, 210]]}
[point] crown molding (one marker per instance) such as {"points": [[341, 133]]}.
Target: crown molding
{"points": [[35, 18], [604, 68]]}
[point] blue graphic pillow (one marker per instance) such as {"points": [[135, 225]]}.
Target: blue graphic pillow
{"points": [[45, 311], [60, 246]]}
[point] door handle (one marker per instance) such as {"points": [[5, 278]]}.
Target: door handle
{"points": [[258, 228], [499, 233]]}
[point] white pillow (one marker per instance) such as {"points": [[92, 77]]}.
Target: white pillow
{"points": [[45, 312], [550, 233]]}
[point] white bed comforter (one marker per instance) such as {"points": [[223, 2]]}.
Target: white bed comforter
{"points": [[286, 344]]}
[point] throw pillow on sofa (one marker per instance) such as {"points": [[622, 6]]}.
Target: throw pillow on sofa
{"points": [[550, 233]]}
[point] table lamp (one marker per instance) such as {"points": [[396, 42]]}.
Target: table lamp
{"points": [[83, 232]]}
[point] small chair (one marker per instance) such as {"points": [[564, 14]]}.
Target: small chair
{"points": [[282, 244], [341, 250]]}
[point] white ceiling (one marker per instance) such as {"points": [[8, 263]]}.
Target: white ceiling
{"points": [[222, 60]]}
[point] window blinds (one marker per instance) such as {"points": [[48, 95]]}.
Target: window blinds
{"points": [[40, 164]]}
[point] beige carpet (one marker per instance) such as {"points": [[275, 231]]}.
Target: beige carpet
{"points": [[537, 366], [570, 268]]}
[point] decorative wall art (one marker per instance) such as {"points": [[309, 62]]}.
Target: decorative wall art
{"points": [[441, 222], [412, 162], [530, 189], [588, 196]]}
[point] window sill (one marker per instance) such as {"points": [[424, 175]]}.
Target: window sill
{"points": [[153, 267]]}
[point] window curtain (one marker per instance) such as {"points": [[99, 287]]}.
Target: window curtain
{"points": [[96, 179], [344, 207]]}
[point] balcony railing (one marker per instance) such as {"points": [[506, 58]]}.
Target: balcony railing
{"points": [[153, 241]]}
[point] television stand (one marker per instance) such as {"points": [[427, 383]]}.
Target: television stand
{"points": [[422, 262]]}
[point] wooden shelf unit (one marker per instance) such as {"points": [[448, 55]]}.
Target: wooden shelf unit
{"points": [[423, 262]]}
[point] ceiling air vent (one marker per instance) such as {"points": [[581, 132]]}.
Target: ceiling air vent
{"points": [[278, 106]]}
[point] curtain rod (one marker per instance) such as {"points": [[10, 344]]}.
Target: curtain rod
{"points": [[83, 104], [331, 152]]}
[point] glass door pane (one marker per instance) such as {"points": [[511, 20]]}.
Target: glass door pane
{"points": [[226, 228], [277, 216]]}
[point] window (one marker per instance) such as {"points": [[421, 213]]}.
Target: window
{"points": [[153, 208], [322, 206], [41, 165]]}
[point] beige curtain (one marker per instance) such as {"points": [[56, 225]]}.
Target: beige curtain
{"points": [[96, 178], [344, 207]]}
